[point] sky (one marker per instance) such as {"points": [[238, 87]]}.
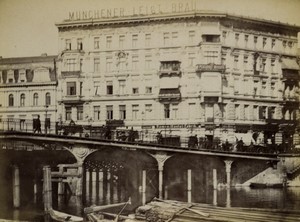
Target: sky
{"points": [[28, 26]]}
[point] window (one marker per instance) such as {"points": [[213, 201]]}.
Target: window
{"points": [[80, 64], [121, 41], [22, 99], [71, 64], [148, 62], [148, 111], [134, 41], [255, 40], [224, 34], [79, 44], [237, 36], [135, 90], [223, 59], [264, 42], [245, 62], [211, 38], [235, 61], [166, 36], [71, 88], [174, 111], [35, 99], [273, 88], [273, 66], [237, 111], [122, 85], [122, 112], [273, 43], [108, 42], [148, 90], [135, 61], [96, 43], [263, 88], [284, 43], [68, 113], [79, 113], [135, 110], [96, 64], [122, 63], [191, 37], [108, 64], [255, 113], [47, 99], [11, 100], [166, 111], [109, 88], [96, 112], [246, 112], [68, 44], [246, 39], [264, 65], [109, 112], [191, 58], [262, 112], [174, 37], [147, 39], [97, 88], [271, 112], [80, 88], [290, 44]]}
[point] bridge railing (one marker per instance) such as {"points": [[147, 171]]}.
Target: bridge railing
{"points": [[134, 136]]}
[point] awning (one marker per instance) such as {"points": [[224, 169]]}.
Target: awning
{"points": [[289, 64], [169, 94], [169, 82], [174, 91], [246, 137]]}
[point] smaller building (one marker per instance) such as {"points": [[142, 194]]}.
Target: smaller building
{"points": [[28, 90]]}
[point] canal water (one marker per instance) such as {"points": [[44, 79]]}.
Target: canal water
{"points": [[32, 207]]}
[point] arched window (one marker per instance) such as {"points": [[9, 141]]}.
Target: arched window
{"points": [[35, 99], [11, 100], [48, 99], [22, 99]]}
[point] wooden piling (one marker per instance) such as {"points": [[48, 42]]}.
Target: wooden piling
{"points": [[215, 181], [16, 187], [189, 185], [47, 188], [144, 187]]}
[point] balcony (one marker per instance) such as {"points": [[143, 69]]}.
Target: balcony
{"points": [[211, 67], [73, 99], [67, 74], [170, 68], [169, 72]]}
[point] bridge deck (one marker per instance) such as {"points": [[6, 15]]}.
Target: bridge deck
{"points": [[99, 143]]}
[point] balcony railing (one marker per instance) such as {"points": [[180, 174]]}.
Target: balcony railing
{"points": [[129, 136]]}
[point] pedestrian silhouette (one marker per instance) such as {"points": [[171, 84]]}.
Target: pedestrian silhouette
{"points": [[37, 126]]}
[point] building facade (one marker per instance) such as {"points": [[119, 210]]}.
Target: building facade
{"points": [[215, 75], [28, 89]]}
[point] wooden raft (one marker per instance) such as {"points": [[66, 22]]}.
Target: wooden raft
{"points": [[171, 211]]}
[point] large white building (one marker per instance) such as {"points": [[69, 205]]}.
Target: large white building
{"points": [[27, 89], [183, 73]]}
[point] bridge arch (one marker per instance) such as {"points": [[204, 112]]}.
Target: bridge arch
{"points": [[114, 175]]}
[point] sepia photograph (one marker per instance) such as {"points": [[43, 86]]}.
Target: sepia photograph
{"points": [[150, 110]]}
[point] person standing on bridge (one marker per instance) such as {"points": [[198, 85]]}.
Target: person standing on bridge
{"points": [[37, 125]]}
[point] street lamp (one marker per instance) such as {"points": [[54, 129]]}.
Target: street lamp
{"points": [[46, 125], [142, 131]]}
